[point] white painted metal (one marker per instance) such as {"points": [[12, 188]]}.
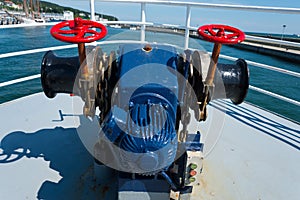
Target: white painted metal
{"points": [[129, 41], [214, 6], [143, 20], [187, 27], [92, 8], [128, 23], [272, 41], [289, 100], [20, 53], [188, 5], [19, 80], [277, 96], [27, 25], [55, 48]]}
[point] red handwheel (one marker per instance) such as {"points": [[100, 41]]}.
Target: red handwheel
{"points": [[221, 34], [78, 31], [218, 34]]}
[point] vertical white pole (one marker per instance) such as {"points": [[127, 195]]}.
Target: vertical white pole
{"points": [[92, 7], [187, 26], [93, 18], [143, 20]]}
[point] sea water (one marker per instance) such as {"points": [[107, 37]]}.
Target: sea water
{"points": [[20, 39]]}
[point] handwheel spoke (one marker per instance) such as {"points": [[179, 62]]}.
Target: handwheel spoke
{"points": [[212, 32], [80, 34], [232, 35], [91, 31], [67, 32]]}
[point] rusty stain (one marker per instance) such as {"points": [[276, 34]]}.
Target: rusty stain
{"points": [[211, 187]]}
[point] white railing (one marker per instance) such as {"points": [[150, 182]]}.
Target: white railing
{"points": [[20, 80], [187, 27], [143, 23], [27, 25], [252, 63], [211, 5], [189, 5], [272, 41], [277, 96]]}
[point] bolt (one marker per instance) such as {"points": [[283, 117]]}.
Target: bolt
{"points": [[131, 104]]}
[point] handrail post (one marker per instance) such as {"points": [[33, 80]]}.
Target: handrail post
{"points": [[187, 26], [92, 10], [93, 17], [143, 20]]}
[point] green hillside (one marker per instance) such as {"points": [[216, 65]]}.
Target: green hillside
{"points": [[55, 8], [51, 7]]}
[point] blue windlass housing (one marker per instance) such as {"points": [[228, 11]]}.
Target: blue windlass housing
{"points": [[147, 97]]}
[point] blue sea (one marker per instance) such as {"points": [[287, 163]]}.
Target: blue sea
{"points": [[18, 39]]}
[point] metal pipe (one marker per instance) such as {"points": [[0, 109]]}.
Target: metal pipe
{"points": [[272, 41], [169, 180], [213, 64], [82, 57], [81, 52], [187, 27], [32, 51], [277, 96], [143, 20], [270, 9], [283, 98], [20, 80], [92, 10]]}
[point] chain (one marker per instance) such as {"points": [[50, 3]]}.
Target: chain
{"points": [[185, 114]]}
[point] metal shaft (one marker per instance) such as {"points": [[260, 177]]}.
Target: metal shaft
{"points": [[213, 64], [82, 57], [210, 79]]}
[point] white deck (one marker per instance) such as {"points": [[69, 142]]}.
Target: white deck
{"points": [[256, 156]]}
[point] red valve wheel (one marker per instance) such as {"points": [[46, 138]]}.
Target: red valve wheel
{"points": [[221, 34], [78, 31]]}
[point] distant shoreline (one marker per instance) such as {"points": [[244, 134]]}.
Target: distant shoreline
{"points": [[286, 37], [286, 51]]}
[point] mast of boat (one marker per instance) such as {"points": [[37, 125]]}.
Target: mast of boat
{"points": [[25, 7], [13, 16], [31, 7], [38, 8]]}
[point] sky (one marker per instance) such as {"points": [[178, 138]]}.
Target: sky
{"points": [[244, 20]]}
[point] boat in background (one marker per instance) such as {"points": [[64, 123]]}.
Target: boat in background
{"points": [[32, 21], [26, 17], [235, 152]]}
